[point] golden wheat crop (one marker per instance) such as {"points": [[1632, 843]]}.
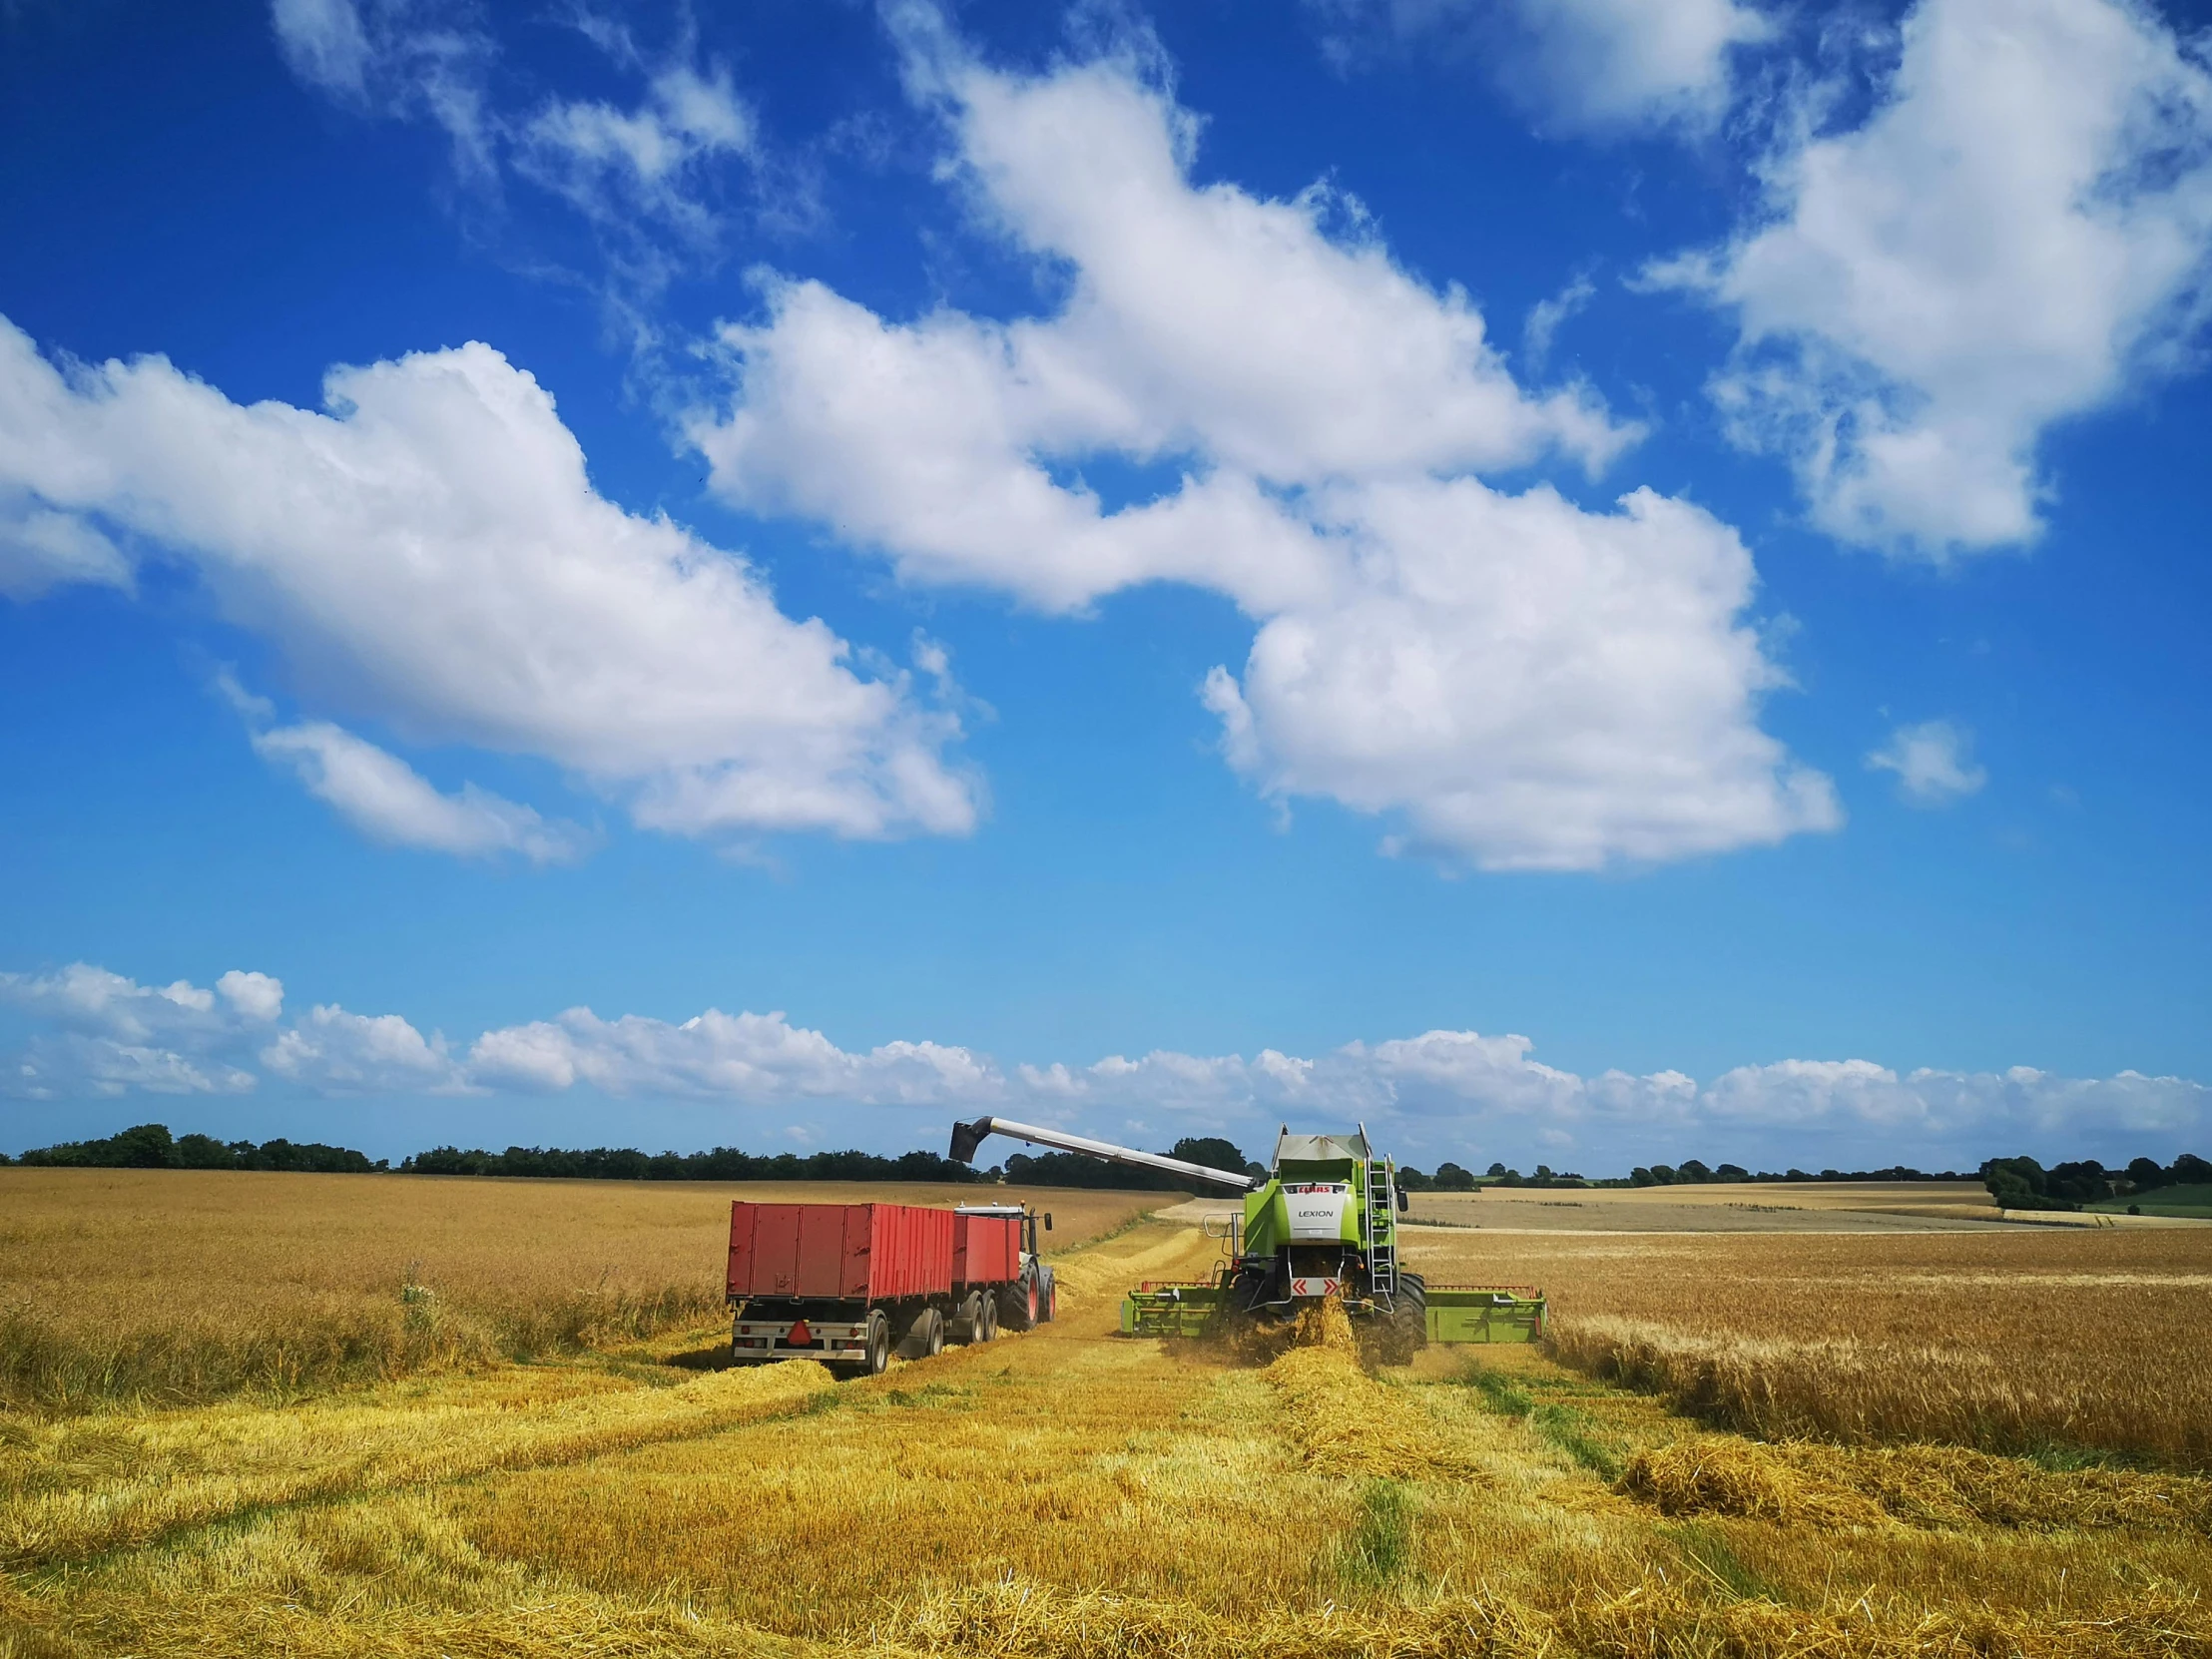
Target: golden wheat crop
{"points": [[2031, 1341], [172, 1286], [1072, 1494]]}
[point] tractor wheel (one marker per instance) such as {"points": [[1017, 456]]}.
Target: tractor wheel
{"points": [[1018, 1311], [876, 1358], [1051, 1297]]}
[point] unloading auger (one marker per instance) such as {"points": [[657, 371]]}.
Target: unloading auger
{"points": [[1322, 1222]]}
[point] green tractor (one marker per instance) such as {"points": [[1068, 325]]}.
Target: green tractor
{"points": [[1322, 1222]]}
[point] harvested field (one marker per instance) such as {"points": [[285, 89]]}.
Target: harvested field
{"points": [[1749, 1207], [2053, 1342], [171, 1285], [1069, 1493]]}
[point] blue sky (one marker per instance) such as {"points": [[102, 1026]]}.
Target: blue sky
{"points": [[1586, 581]]}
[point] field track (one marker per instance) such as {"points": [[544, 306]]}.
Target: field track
{"points": [[1066, 1492]]}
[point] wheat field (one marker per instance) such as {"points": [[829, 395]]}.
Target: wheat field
{"points": [[1072, 1494], [174, 1285], [2045, 1341]]}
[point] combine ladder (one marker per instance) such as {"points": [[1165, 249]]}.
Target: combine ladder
{"points": [[1381, 1250]]}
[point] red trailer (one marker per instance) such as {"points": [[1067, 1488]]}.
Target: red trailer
{"points": [[845, 1282]]}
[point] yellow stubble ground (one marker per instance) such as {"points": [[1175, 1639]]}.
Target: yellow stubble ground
{"points": [[1065, 1492]]}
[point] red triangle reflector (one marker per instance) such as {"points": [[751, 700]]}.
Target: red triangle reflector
{"points": [[800, 1336]]}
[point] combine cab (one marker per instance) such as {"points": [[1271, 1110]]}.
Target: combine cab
{"points": [[1322, 1222]]}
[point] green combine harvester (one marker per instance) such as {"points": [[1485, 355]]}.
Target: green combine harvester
{"points": [[1322, 1222]]}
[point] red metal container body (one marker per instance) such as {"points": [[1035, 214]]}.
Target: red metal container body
{"points": [[839, 1252], [986, 1250]]}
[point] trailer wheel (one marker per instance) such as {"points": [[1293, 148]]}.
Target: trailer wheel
{"points": [[967, 1319], [923, 1337], [987, 1326], [876, 1358]]}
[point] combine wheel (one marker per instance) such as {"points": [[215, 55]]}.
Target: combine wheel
{"points": [[1405, 1331]]}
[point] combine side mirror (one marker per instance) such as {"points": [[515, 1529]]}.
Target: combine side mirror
{"points": [[1048, 1221], [1404, 1201]]}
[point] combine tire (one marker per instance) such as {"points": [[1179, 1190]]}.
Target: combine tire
{"points": [[1405, 1331]]}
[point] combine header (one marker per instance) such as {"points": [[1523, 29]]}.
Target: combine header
{"points": [[1322, 1222]]}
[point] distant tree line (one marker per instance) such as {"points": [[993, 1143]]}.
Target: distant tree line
{"points": [[1451, 1178], [2016, 1183], [150, 1146], [1694, 1173], [2023, 1184]]}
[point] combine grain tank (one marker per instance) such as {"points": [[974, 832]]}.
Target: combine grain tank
{"points": [[848, 1283]]}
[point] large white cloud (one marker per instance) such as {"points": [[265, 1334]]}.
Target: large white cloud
{"points": [[1442, 1094], [1539, 686], [1593, 66], [1527, 683], [431, 553], [2017, 234], [102, 1034]]}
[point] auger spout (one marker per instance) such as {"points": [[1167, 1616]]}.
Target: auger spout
{"points": [[966, 1137]]}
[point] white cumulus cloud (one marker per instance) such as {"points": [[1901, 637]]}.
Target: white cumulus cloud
{"points": [[1934, 762], [390, 801], [335, 1052], [1526, 684], [103, 1034], [1587, 66], [1459, 1094], [2016, 235], [431, 553]]}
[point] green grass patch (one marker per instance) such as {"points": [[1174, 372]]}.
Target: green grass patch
{"points": [[1574, 1435], [1499, 1392], [1381, 1546], [1708, 1557], [1561, 1425], [2192, 1202]]}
